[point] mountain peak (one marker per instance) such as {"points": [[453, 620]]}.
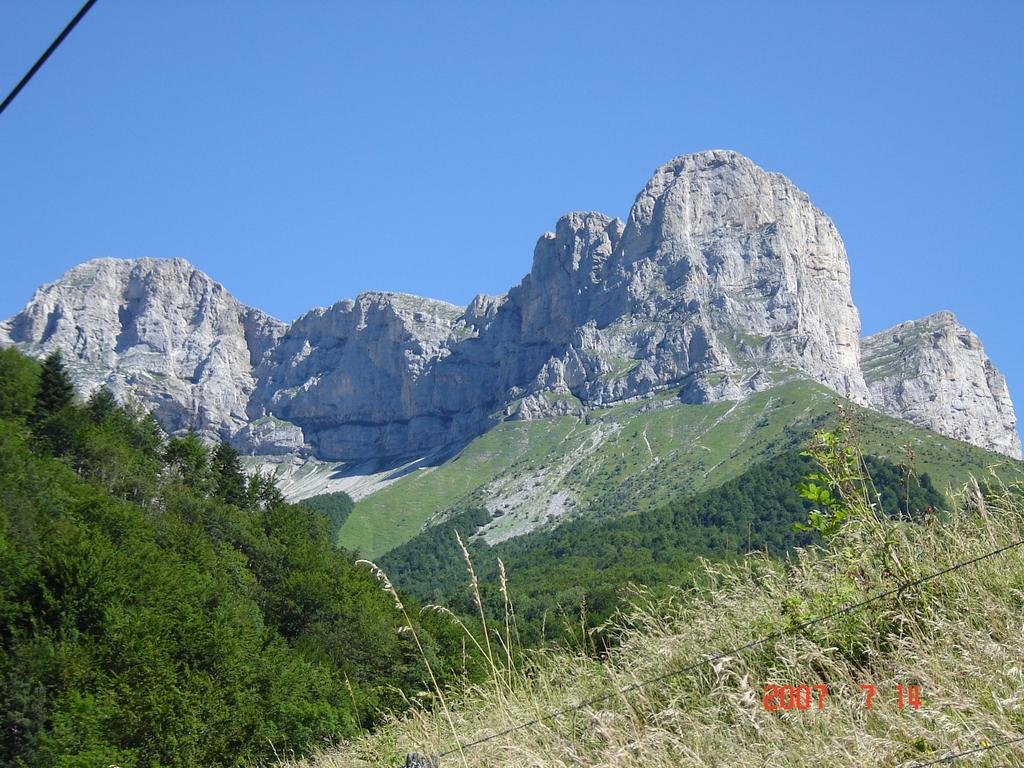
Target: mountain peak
{"points": [[708, 158], [943, 317], [934, 372], [144, 263], [409, 301], [158, 328]]}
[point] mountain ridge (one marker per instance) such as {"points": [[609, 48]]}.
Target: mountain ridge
{"points": [[723, 279]]}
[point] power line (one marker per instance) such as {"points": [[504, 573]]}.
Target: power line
{"points": [[958, 755], [778, 634], [49, 51]]}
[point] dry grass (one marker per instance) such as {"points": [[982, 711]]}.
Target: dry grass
{"points": [[961, 637]]}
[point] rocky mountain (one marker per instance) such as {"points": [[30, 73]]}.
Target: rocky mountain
{"points": [[724, 280], [723, 277], [158, 329], [934, 373], [361, 378]]}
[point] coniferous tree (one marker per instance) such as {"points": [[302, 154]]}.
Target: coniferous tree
{"points": [[56, 391], [228, 477], [101, 404], [53, 420]]}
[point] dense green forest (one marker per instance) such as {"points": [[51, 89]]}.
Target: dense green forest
{"points": [[159, 608], [336, 507], [579, 571]]}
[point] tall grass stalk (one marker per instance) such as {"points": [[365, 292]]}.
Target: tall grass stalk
{"points": [[388, 587]]}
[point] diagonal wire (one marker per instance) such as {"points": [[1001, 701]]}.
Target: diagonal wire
{"points": [[778, 634], [46, 54], [957, 755]]}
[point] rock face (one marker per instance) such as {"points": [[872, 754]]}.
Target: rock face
{"points": [[159, 329], [723, 279], [360, 377], [270, 436], [934, 373], [721, 271]]}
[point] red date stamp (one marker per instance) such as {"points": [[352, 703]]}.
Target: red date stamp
{"points": [[785, 698]]}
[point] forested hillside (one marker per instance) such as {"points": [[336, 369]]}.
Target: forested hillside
{"points": [[159, 608], [336, 507], [581, 570]]}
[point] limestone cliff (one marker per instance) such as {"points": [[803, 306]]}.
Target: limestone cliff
{"points": [[359, 377], [159, 329], [721, 272], [934, 373]]}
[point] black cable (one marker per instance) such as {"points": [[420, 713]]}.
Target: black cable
{"points": [[49, 51], [778, 634], [958, 755]]}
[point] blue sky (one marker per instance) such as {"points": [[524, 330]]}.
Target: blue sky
{"points": [[301, 152]]}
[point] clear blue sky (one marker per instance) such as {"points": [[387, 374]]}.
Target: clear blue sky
{"points": [[301, 152]]}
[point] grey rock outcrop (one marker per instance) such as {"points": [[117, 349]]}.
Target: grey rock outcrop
{"points": [[545, 405], [723, 271], [360, 378], [934, 373], [270, 436], [159, 330]]}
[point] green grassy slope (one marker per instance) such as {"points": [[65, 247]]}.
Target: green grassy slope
{"points": [[396, 514], [629, 458]]}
